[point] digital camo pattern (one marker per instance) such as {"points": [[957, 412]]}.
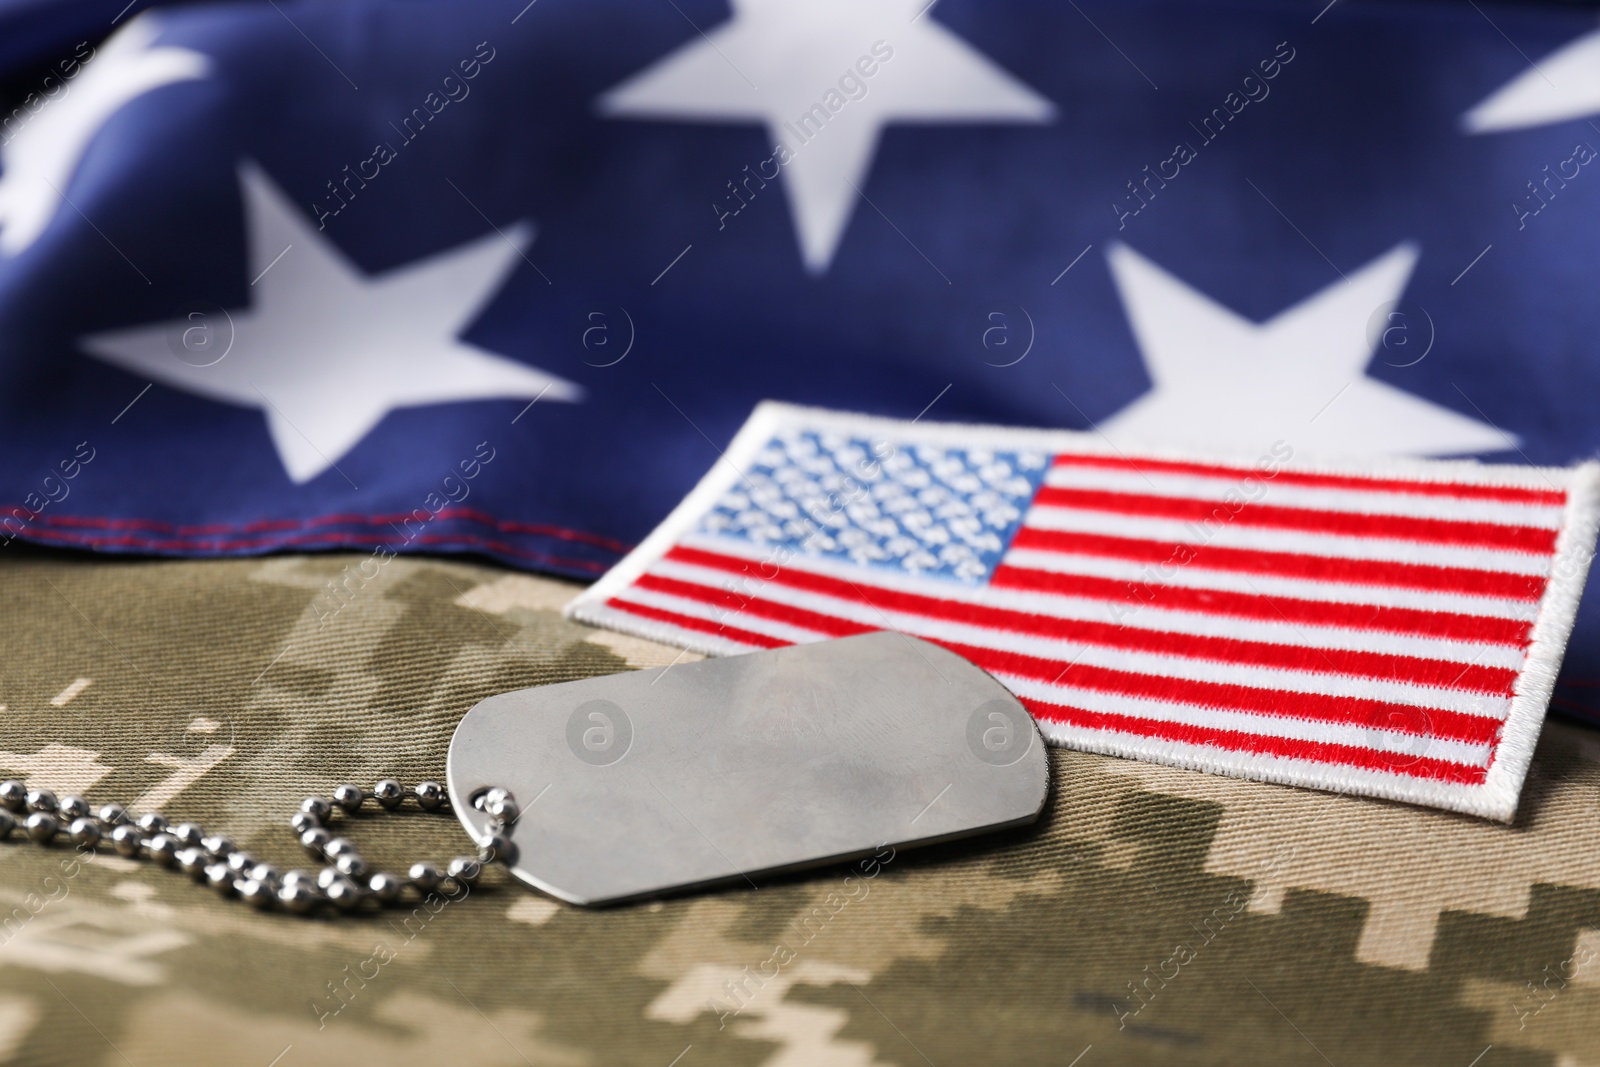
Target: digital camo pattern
{"points": [[1155, 916]]}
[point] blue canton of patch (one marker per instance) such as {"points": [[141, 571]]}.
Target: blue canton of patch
{"points": [[917, 509]]}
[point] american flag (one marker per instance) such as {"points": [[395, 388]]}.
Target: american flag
{"points": [[1387, 628], [461, 276]]}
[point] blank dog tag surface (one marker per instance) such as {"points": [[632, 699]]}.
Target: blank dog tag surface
{"points": [[722, 770]]}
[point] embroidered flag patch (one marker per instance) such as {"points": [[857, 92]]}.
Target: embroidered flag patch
{"points": [[1389, 628]]}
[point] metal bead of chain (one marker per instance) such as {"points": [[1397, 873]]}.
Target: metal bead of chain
{"points": [[346, 884]]}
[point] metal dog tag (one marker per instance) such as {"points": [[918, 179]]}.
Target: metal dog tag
{"points": [[718, 771]]}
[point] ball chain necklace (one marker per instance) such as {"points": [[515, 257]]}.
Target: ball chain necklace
{"points": [[345, 883], [648, 782]]}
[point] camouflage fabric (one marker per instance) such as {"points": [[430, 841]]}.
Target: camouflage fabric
{"points": [[1154, 916]]}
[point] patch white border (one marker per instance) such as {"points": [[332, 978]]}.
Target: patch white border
{"points": [[1495, 798]]}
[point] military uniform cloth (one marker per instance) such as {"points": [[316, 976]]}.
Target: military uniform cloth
{"points": [[1153, 916]]}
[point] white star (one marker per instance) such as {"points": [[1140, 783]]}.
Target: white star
{"points": [[327, 352], [40, 159], [792, 64], [1222, 381], [1564, 85]]}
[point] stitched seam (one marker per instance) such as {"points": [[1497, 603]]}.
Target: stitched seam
{"points": [[243, 544], [264, 525]]}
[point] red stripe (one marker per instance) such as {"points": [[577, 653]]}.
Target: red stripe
{"points": [[1496, 680], [816, 622], [1506, 493], [1479, 628], [1237, 741], [1288, 564], [689, 622], [1222, 696], [1219, 696], [1354, 524]]}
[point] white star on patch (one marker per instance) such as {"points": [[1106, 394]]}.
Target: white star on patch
{"points": [[325, 351], [1222, 381], [40, 159], [1564, 85], [797, 66]]}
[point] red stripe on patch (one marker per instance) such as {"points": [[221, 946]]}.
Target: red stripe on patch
{"points": [[1289, 564], [1509, 494], [1532, 539], [1446, 624], [1238, 741], [689, 622]]}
